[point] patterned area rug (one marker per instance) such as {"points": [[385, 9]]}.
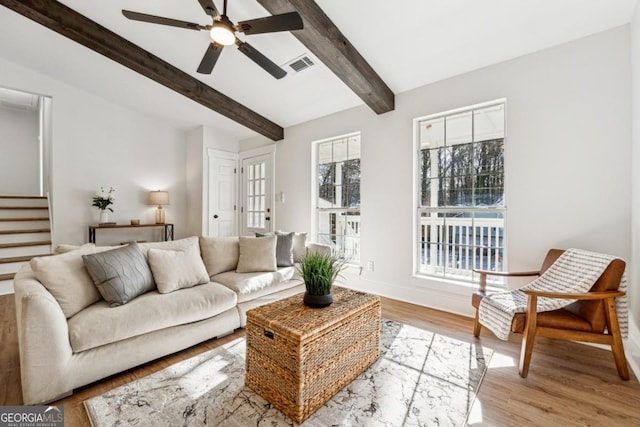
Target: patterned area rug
{"points": [[421, 379]]}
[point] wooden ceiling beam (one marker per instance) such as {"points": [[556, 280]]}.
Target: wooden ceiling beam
{"points": [[77, 27], [324, 39]]}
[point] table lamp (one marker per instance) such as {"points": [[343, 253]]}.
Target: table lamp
{"points": [[159, 198]]}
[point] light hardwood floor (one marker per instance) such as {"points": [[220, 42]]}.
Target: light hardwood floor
{"points": [[569, 384]]}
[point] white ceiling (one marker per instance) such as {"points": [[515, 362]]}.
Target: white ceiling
{"points": [[409, 43]]}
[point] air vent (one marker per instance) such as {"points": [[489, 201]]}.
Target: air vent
{"points": [[300, 63]]}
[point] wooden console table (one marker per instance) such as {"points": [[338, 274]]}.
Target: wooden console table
{"points": [[168, 229]]}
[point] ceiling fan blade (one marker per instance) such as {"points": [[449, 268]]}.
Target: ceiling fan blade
{"points": [[271, 24], [143, 17], [210, 58], [209, 7], [261, 60]]}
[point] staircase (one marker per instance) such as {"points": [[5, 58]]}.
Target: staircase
{"points": [[25, 232]]}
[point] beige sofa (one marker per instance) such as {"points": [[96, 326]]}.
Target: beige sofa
{"points": [[69, 338]]}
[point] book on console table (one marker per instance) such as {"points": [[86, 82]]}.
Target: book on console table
{"points": [[106, 223]]}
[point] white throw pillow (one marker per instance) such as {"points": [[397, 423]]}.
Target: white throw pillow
{"points": [[173, 270], [219, 254], [66, 278], [257, 254]]}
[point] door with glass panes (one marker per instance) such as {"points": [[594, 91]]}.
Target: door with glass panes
{"points": [[256, 210]]}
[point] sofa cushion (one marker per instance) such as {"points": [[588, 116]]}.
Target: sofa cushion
{"points": [[173, 270], [219, 254], [120, 274], [170, 245], [257, 254], [252, 285], [64, 248], [99, 324], [66, 278]]}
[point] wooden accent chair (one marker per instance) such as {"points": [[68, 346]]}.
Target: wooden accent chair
{"points": [[584, 320]]}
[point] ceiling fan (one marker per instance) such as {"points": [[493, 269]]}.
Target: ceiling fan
{"points": [[222, 32]]}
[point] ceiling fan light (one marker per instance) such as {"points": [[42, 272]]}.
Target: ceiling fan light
{"points": [[222, 34]]}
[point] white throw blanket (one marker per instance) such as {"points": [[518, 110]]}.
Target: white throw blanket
{"points": [[575, 271]]}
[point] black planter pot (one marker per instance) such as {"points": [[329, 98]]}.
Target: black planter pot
{"points": [[317, 301]]}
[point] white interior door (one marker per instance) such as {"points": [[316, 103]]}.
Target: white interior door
{"points": [[222, 212], [257, 194]]}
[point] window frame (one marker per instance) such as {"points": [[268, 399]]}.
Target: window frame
{"points": [[419, 210], [316, 210]]}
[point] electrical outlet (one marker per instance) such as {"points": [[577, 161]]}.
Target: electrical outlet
{"points": [[369, 265]]}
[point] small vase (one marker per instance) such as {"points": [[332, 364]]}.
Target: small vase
{"points": [[104, 217], [317, 301]]}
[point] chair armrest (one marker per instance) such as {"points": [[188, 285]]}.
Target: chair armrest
{"points": [[485, 273], [576, 296], [507, 273]]}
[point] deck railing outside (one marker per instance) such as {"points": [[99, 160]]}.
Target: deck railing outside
{"points": [[453, 246], [346, 241], [449, 246]]}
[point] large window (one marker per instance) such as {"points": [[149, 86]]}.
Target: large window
{"points": [[460, 191], [337, 194]]}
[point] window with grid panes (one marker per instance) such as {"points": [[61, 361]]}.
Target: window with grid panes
{"points": [[460, 191], [337, 201]]}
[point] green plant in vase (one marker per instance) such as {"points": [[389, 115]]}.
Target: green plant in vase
{"points": [[319, 271], [102, 200]]}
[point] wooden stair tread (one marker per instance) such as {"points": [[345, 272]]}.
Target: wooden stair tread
{"points": [[24, 244], [20, 258], [26, 231], [23, 219], [23, 208], [8, 276], [24, 197]]}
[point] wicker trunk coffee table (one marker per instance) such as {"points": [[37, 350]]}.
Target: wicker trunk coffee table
{"points": [[299, 357]]}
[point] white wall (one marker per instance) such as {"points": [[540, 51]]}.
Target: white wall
{"points": [[19, 152], [635, 179], [97, 143], [568, 173]]}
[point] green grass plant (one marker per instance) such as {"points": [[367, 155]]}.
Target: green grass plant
{"points": [[319, 271]]}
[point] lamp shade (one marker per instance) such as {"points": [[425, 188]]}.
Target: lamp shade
{"points": [[158, 198]]}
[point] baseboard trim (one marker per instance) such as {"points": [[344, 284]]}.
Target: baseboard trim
{"points": [[632, 347]]}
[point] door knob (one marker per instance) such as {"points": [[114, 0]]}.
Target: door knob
{"points": [[215, 216]]}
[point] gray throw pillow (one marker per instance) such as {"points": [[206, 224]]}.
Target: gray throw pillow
{"points": [[120, 274], [284, 248], [299, 245]]}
